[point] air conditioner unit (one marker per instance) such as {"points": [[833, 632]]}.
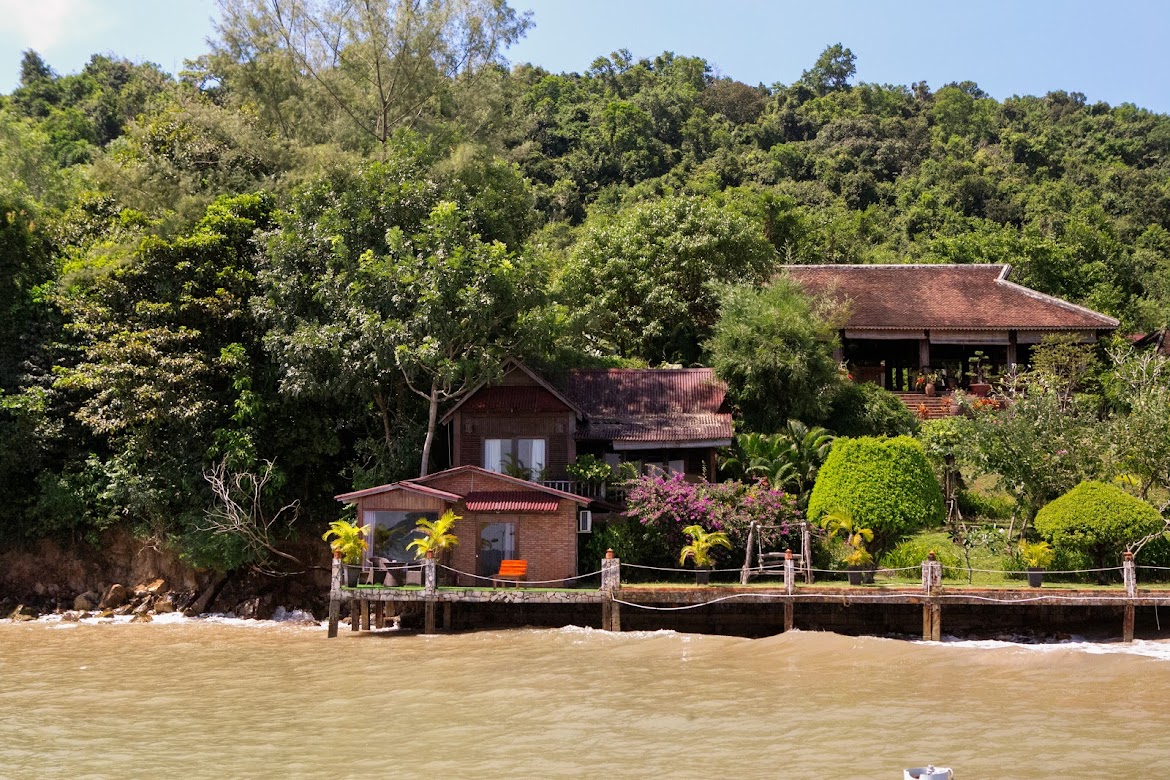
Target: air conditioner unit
{"points": [[584, 522]]}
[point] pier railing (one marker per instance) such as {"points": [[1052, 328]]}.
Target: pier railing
{"points": [[612, 596]]}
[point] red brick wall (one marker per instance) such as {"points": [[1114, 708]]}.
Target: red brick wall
{"points": [[547, 540]]}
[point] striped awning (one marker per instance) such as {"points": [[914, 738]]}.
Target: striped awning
{"points": [[510, 501]]}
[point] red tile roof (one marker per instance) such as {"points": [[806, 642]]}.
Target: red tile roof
{"points": [[510, 501], [514, 399], [669, 405], [950, 297]]}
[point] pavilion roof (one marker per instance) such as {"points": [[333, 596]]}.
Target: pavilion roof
{"points": [[943, 297]]}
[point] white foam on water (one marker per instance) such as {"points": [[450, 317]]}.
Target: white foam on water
{"points": [[282, 618], [1159, 649]]}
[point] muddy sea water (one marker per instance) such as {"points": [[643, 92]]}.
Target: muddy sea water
{"points": [[220, 699]]}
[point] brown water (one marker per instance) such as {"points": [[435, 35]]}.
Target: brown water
{"points": [[206, 700]]}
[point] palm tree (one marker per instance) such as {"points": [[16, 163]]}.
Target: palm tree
{"points": [[436, 536]]}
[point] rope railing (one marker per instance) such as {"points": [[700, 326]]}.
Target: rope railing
{"points": [[524, 582], [681, 571]]}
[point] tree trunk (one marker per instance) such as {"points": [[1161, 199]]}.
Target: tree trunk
{"points": [[387, 431], [432, 422]]}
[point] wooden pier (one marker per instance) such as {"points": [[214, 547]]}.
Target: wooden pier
{"points": [[368, 605]]}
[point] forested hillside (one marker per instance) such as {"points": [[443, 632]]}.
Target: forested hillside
{"points": [[285, 262]]}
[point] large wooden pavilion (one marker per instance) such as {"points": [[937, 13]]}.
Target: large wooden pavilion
{"points": [[905, 320]]}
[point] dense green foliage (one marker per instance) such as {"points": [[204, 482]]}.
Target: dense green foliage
{"points": [[306, 246], [883, 484], [1098, 519]]}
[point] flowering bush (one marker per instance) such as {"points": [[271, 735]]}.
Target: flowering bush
{"points": [[670, 503]]}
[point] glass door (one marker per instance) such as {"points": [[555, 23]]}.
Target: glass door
{"points": [[497, 542]]}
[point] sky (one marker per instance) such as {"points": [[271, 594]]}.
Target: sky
{"points": [[1113, 51]]}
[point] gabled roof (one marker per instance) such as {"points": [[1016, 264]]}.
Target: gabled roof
{"points": [[409, 487], [493, 476], [514, 395], [943, 297], [532, 492], [669, 405]]}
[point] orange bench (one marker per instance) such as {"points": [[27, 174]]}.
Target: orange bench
{"points": [[511, 572]]}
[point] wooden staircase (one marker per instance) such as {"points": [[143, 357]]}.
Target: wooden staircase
{"points": [[932, 407]]}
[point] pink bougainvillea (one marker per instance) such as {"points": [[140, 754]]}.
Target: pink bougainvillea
{"points": [[670, 503]]}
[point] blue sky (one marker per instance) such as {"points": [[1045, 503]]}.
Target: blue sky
{"points": [[1112, 51]]}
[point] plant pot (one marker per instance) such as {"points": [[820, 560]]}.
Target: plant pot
{"points": [[1035, 576], [981, 389], [703, 576], [353, 573], [856, 575], [929, 389]]}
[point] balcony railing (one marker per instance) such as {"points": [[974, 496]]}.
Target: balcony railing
{"points": [[587, 489]]}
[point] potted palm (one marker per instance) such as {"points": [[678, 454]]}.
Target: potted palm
{"points": [[859, 561], [435, 538], [349, 541], [699, 550], [1037, 556]]}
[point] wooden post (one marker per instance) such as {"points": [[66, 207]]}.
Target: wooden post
{"points": [[355, 618], [789, 587], [335, 595], [446, 615], [379, 614], [747, 560], [806, 552], [606, 611], [1129, 574], [429, 617], [365, 614], [615, 617]]}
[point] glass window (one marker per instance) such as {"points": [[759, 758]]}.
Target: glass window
{"points": [[524, 458], [393, 531]]}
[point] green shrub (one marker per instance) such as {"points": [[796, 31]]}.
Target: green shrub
{"points": [[864, 409], [974, 504], [1098, 520], [910, 554], [630, 541], [885, 484]]}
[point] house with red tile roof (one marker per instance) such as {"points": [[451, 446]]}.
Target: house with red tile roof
{"points": [[511, 442], [906, 319], [500, 518]]}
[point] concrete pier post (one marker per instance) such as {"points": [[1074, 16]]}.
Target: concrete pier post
{"points": [[611, 581], [789, 588], [335, 595], [931, 608], [429, 587], [1129, 575]]}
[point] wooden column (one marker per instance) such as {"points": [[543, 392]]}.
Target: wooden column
{"points": [[335, 595], [355, 618], [365, 614], [789, 588], [744, 574], [923, 352], [379, 614], [1129, 574], [446, 615], [615, 617], [429, 617]]}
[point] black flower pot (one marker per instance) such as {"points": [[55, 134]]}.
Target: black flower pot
{"points": [[703, 576], [1035, 576], [856, 575]]}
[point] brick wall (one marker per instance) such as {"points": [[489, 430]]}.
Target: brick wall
{"points": [[547, 540]]}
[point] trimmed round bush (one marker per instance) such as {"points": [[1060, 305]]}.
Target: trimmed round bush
{"points": [[885, 484], [1099, 520]]}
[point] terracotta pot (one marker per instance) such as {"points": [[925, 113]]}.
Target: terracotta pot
{"points": [[929, 389]]}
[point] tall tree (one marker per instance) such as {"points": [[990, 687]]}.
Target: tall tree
{"points": [[380, 63]]}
